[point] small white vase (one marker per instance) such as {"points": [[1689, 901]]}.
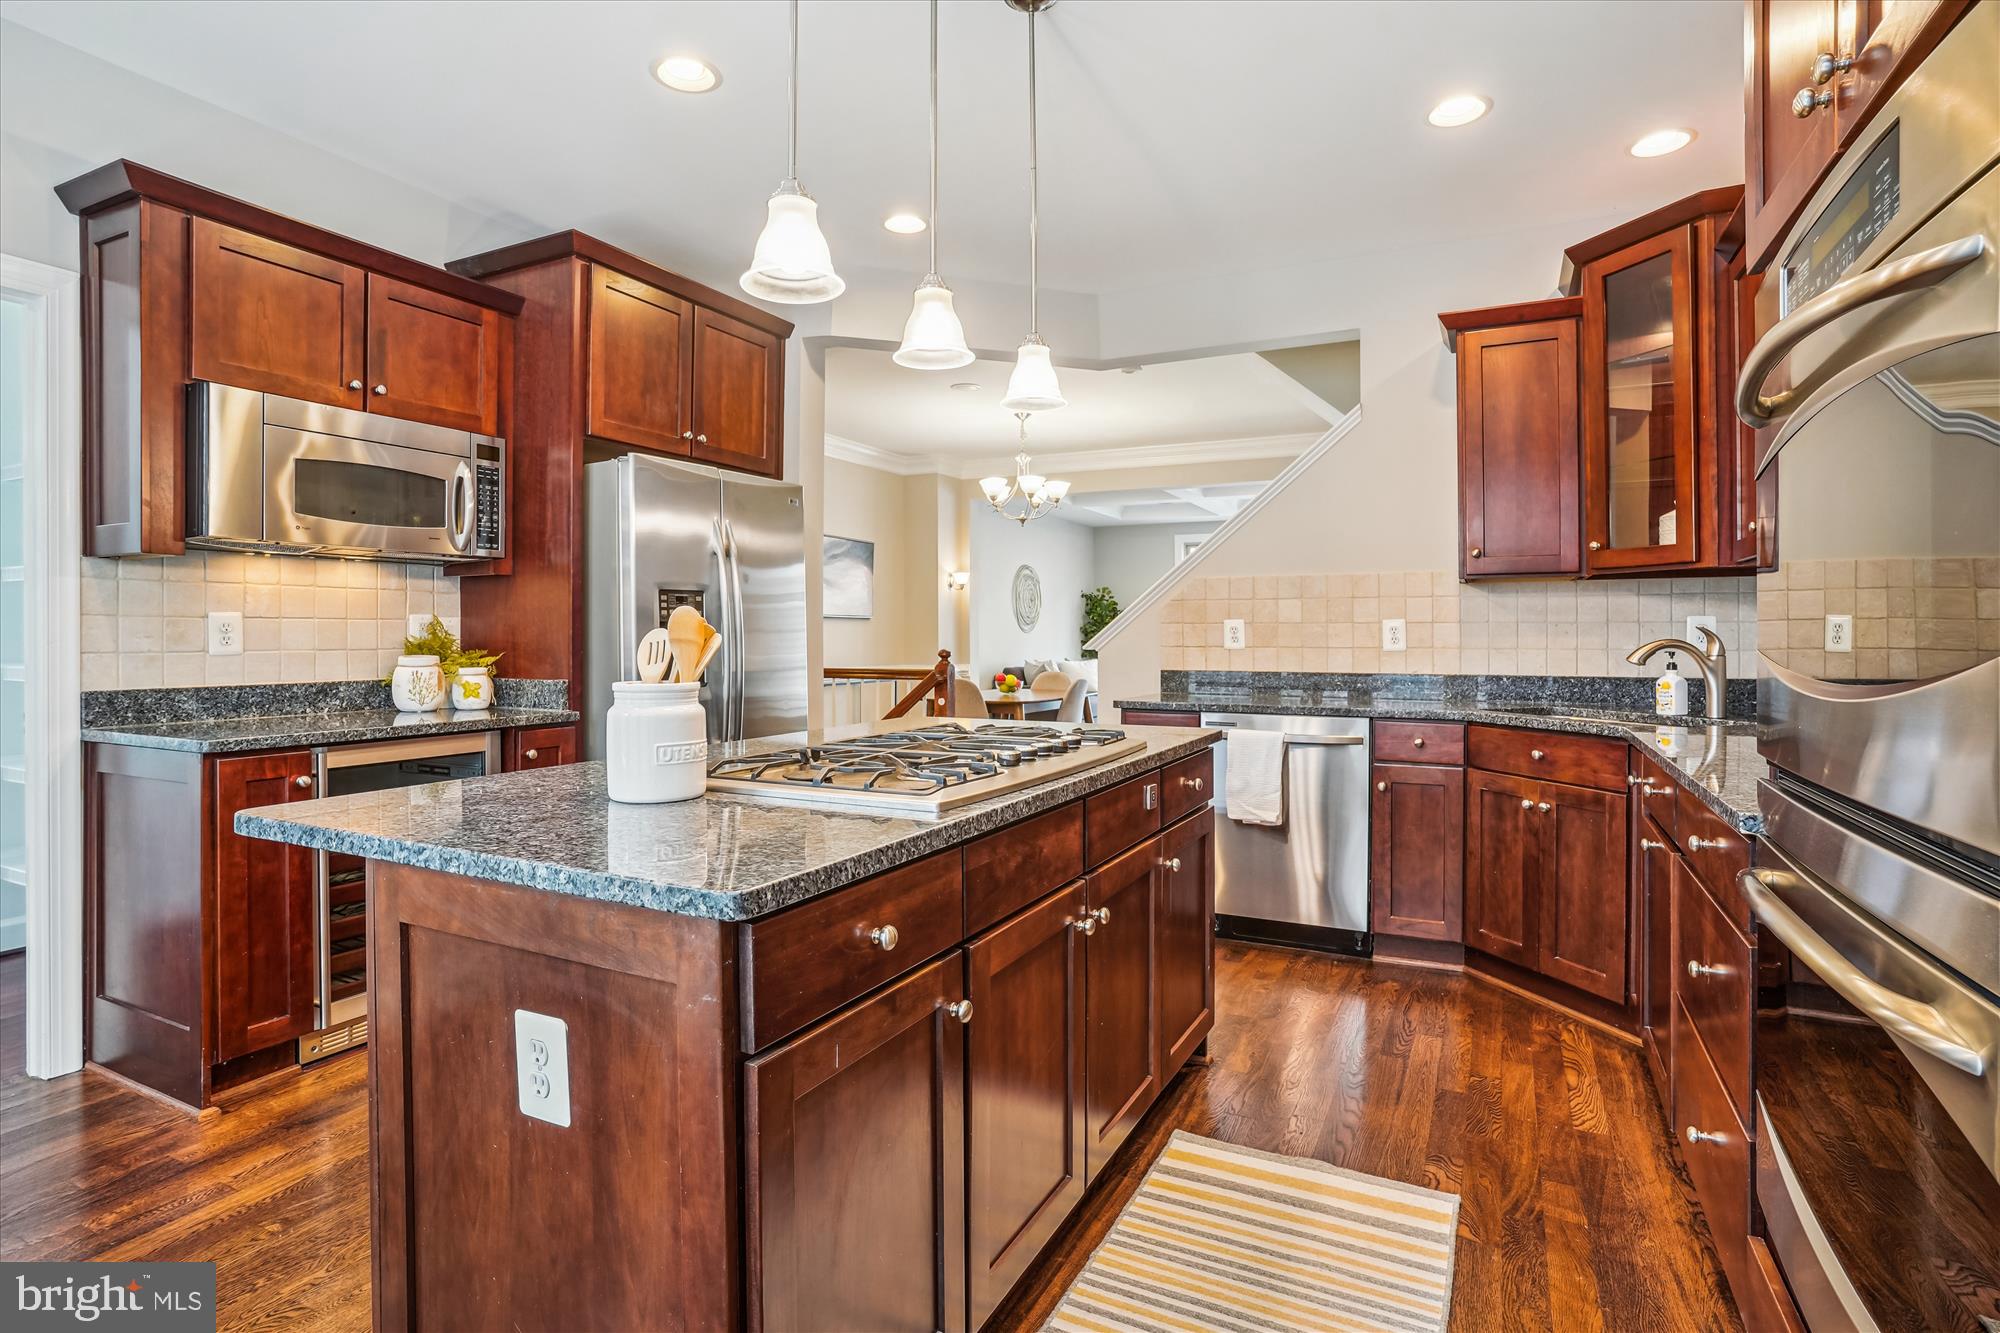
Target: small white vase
{"points": [[472, 689], [417, 684], [655, 743]]}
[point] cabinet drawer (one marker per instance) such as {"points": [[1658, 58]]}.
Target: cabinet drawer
{"points": [[1719, 1001], [1147, 717], [1120, 816], [1716, 852], [801, 965], [1719, 1165], [1006, 871], [1658, 793], [1420, 742], [1767, 1304], [1584, 761], [1187, 785]]}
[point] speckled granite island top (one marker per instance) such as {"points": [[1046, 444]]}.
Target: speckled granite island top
{"points": [[1720, 764], [727, 858], [226, 735]]}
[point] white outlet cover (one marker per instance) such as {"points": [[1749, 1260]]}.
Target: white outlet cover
{"points": [[1394, 637], [541, 1066], [1700, 622], [419, 623], [1840, 634], [225, 633], [1232, 634]]}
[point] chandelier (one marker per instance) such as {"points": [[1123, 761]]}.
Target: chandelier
{"points": [[1038, 494]]}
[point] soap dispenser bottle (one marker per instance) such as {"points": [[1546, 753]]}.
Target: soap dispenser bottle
{"points": [[1670, 691]]}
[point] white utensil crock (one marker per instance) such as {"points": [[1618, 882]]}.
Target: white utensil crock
{"points": [[655, 743], [417, 684], [472, 689]]}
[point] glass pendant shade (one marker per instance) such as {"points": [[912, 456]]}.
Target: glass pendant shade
{"points": [[933, 339], [792, 265], [1032, 387], [998, 489]]}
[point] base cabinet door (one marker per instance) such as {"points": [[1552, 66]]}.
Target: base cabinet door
{"points": [[1583, 933], [854, 1181], [1416, 851], [1656, 984], [1186, 961], [539, 747], [1503, 865], [1024, 1069], [1121, 997], [263, 910]]}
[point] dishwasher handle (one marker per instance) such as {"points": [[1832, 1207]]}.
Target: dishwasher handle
{"points": [[1324, 740]]}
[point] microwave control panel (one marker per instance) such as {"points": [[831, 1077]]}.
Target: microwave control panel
{"points": [[1846, 227], [488, 492]]}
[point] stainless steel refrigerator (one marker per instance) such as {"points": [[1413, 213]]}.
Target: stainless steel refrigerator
{"points": [[658, 535]]}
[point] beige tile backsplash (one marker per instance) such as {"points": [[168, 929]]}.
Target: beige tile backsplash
{"points": [[145, 622], [1332, 622], [1912, 618]]}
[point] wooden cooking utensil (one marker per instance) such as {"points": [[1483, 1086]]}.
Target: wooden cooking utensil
{"points": [[654, 656], [687, 631], [708, 652]]}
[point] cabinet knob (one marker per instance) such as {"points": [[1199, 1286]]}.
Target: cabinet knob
{"points": [[701, 439], [1527, 804], [1537, 754], [1543, 806], [1648, 845], [354, 384], [687, 435], [1103, 914], [1809, 101], [1086, 926], [1713, 844], [962, 1011], [1703, 1136], [531, 754], [1597, 546], [1826, 64], [1381, 786], [884, 937], [381, 390], [1699, 970], [1418, 742], [302, 782], [1475, 553], [1192, 782]]}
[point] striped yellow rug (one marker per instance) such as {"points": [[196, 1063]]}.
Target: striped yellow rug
{"points": [[1230, 1239]]}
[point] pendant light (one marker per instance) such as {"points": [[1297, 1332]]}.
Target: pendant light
{"points": [[933, 339], [792, 265], [1032, 387]]}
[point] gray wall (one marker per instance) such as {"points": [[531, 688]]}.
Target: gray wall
{"points": [[1129, 558]]}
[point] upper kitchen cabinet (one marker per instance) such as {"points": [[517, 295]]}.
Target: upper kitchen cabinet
{"points": [[1815, 70], [638, 363], [181, 284], [738, 394], [1517, 437]]}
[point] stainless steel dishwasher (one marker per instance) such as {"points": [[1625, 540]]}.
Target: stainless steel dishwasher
{"points": [[1303, 882]]}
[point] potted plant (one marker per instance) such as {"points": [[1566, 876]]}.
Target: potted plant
{"points": [[1100, 608], [439, 642]]}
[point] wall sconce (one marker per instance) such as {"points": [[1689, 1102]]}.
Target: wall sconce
{"points": [[957, 579]]}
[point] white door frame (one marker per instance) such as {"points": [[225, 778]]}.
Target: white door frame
{"points": [[53, 551]]}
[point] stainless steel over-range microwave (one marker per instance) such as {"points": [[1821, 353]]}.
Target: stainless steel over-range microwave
{"points": [[269, 473]]}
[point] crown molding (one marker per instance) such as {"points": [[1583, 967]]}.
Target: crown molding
{"points": [[1090, 460], [882, 460]]}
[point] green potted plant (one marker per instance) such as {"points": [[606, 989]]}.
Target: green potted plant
{"points": [[1100, 608], [439, 642]]}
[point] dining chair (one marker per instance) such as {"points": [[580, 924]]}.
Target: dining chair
{"points": [[1052, 682], [966, 700], [1075, 698]]}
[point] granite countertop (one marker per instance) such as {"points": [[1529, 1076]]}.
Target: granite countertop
{"points": [[1717, 762], [224, 735], [728, 858]]}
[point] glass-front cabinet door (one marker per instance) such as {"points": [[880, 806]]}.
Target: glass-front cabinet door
{"points": [[1639, 405]]}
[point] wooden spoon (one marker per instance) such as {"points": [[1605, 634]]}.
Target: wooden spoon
{"points": [[654, 655], [687, 631], [708, 652]]}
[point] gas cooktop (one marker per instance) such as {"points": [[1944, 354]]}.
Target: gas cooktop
{"points": [[922, 772]]}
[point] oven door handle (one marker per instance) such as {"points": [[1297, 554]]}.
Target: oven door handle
{"points": [[1914, 1021], [1926, 268], [461, 508]]}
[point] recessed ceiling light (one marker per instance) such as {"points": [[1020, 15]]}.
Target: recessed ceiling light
{"points": [[967, 386], [903, 224], [685, 74], [1460, 110], [1661, 142]]}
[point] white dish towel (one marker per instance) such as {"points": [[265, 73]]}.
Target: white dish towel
{"points": [[1255, 789]]}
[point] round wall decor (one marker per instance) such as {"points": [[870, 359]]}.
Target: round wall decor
{"points": [[1027, 598]]}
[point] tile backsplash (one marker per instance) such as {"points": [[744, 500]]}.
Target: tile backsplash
{"points": [[145, 622], [1332, 622], [1913, 619]]}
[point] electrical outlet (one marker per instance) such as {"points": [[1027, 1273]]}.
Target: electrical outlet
{"points": [[1840, 634], [419, 623], [541, 1066], [1394, 640], [1232, 634], [225, 633], [1700, 622]]}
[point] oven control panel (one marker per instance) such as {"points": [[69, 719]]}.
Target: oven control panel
{"points": [[1845, 227]]}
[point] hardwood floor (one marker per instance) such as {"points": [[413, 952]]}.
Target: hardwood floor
{"points": [[1574, 1213]]}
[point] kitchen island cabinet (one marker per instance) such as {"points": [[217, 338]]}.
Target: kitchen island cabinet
{"points": [[730, 1063]]}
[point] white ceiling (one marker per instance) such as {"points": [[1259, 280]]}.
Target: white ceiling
{"points": [[1175, 504], [1177, 138], [917, 415]]}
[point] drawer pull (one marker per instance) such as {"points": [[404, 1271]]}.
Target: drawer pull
{"points": [[1103, 914], [1536, 754], [1699, 970], [531, 754], [1087, 925], [1696, 1136], [1651, 790], [1418, 742], [1712, 844], [962, 1011], [1648, 845], [1151, 796], [1381, 786], [1192, 782], [884, 938], [302, 782]]}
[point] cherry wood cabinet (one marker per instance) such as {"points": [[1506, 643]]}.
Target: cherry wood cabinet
{"points": [[1655, 864], [1122, 1000], [738, 394], [275, 318], [264, 909], [1416, 858], [1186, 932], [855, 1207], [638, 363], [1503, 866], [1024, 1072], [1583, 888], [540, 747], [435, 358]]}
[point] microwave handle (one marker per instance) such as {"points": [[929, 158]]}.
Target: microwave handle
{"points": [[461, 505], [1926, 268]]}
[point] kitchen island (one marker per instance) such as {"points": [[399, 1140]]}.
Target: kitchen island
{"points": [[734, 1063]]}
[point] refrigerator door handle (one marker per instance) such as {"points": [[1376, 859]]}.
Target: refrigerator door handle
{"points": [[724, 674], [739, 671]]}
